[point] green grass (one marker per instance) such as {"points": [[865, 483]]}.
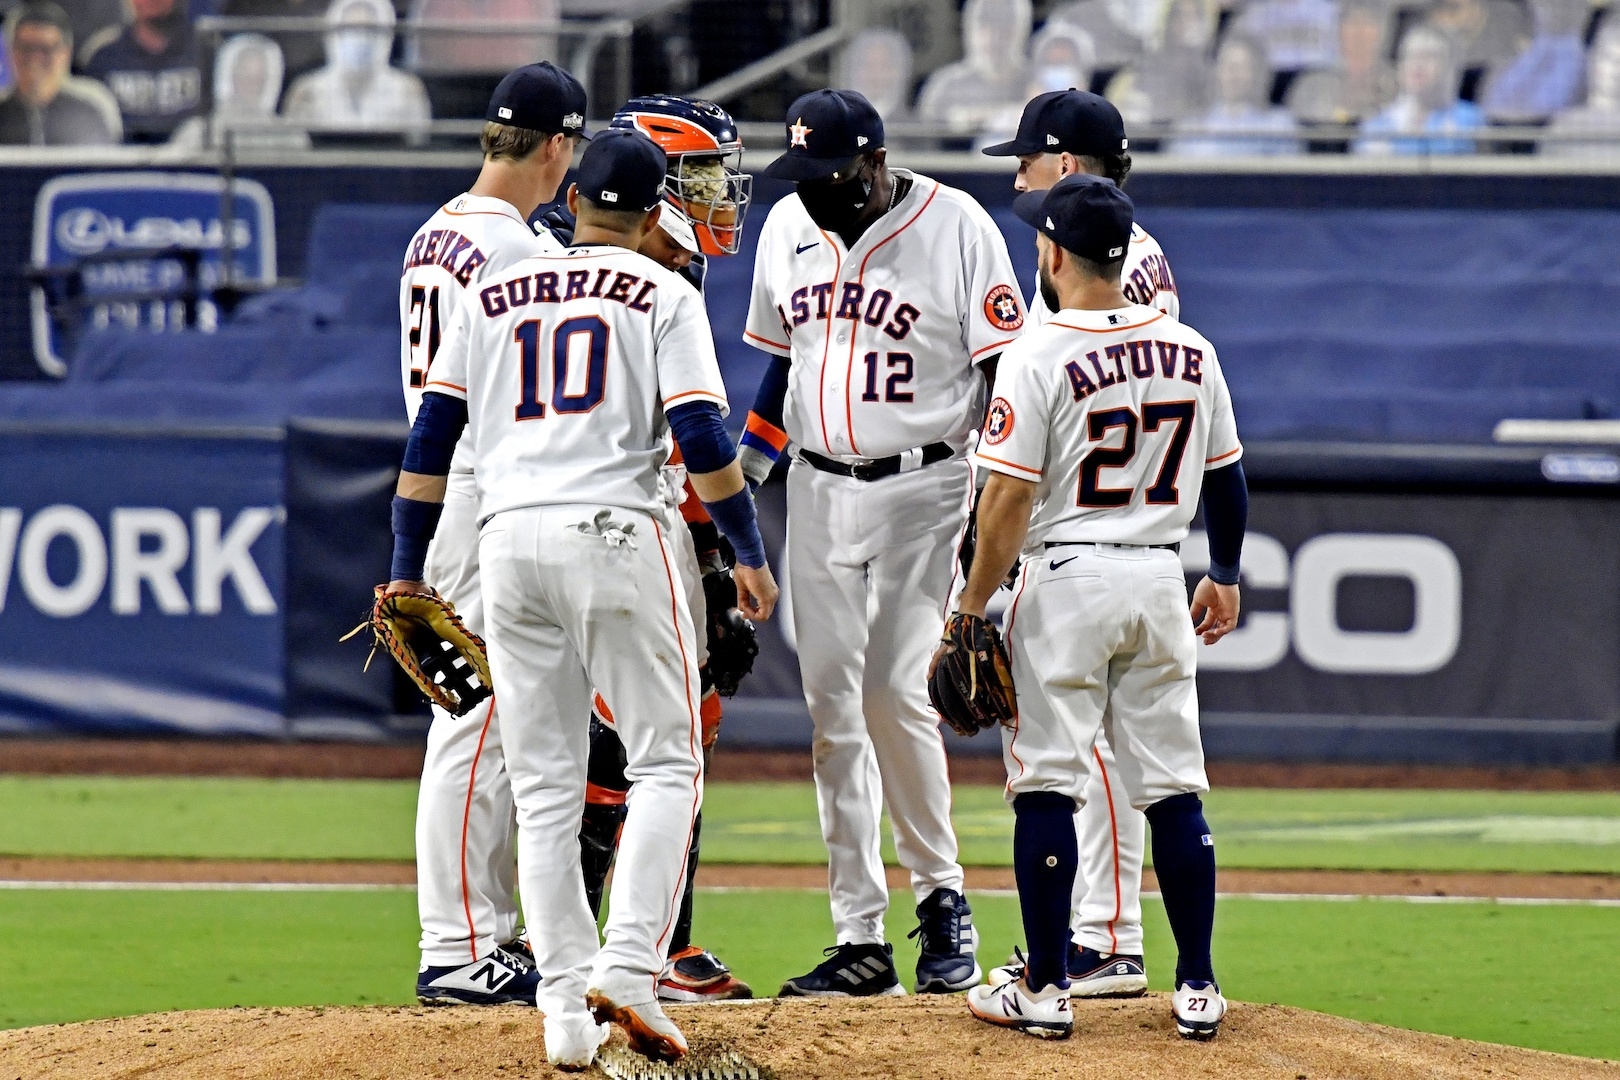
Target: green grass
{"points": [[776, 823], [1532, 976]]}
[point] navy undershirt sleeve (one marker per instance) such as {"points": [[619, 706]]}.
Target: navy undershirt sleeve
{"points": [[1226, 515], [701, 435], [438, 427], [772, 393]]}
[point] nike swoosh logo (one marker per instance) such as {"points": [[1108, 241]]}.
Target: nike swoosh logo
{"points": [[1054, 564], [802, 248]]}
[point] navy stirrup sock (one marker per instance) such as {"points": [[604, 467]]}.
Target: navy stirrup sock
{"points": [[1184, 860], [1045, 857]]}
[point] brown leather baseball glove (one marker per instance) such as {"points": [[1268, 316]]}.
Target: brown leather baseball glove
{"points": [[428, 639], [970, 679]]}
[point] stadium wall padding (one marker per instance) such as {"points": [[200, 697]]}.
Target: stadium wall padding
{"points": [[1391, 611]]}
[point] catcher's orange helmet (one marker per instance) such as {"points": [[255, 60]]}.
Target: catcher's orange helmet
{"points": [[705, 181]]}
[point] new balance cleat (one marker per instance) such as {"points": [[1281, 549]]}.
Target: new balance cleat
{"points": [[1044, 1014], [849, 971], [652, 1034], [947, 962], [1105, 975], [519, 947], [696, 975], [501, 978], [1198, 1007], [571, 1045]]}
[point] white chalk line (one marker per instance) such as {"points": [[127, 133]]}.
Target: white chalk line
{"points": [[358, 887]]}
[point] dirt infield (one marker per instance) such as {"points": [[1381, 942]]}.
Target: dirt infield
{"points": [[922, 1038], [1294, 882], [214, 757]]}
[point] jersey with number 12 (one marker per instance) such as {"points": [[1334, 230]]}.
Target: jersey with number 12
{"points": [[568, 363], [1115, 415], [466, 241]]}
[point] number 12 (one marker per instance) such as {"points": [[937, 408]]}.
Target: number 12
{"points": [[891, 385]]}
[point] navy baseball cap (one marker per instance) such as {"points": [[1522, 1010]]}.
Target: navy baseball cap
{"points": [[826, 130], [1066, 121], [622, 169], [1085, 214], [540, 97]]}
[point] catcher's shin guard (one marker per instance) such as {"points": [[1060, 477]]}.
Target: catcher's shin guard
{"points": [[682, 937], [605, 790]]}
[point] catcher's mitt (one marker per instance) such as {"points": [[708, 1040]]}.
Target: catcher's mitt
{"points": [[970, 680], [733, 643], [429, 640]]}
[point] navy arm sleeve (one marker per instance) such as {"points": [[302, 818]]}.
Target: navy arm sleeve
{"points": [[701, 435], [1226, 515], [438, 427], [763, 438]]}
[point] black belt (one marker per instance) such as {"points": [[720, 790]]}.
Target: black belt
{"points": [[1103, 543], [877, 468]]}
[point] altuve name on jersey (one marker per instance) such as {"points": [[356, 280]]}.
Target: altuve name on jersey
{"points": [[543, 288], [856, 303], [448, 249], [1109, 368]]}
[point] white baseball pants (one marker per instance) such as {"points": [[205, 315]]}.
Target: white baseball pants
{"points": [[465, 873], [1100, 641], [871, 567], [572, 605], [1107, 905]]}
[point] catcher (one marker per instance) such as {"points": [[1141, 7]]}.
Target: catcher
{"points": [[706, 199]]}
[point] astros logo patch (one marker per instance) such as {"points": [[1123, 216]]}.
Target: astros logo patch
{"points": [[800, 133], [998, 423], [1001, 307]]}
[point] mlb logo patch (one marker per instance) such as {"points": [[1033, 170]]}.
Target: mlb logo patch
{"points": [[610, 196], [504, 113], [1002, 308]]}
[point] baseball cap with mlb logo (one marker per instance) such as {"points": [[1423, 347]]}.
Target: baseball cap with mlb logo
{"points": [[1085, 214], [622, 169], [1067, 121], [540, 97]]}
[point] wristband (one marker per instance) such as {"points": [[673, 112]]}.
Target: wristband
{"points": [[736, 518], [1223, 575], [414, 525]]}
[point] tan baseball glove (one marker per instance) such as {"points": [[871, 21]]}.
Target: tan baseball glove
{"points": [[428, 639]]}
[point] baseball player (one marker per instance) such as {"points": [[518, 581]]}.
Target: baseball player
{"points": [[573, 371], [1059, 134], [1108, 425], [471, 950], [881, 294], [705, 200]]}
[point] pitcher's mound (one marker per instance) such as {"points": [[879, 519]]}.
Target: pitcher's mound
{"points": [[932, 1038]]}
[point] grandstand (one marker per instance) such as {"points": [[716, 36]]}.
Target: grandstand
{"points": [[1399, 223]]}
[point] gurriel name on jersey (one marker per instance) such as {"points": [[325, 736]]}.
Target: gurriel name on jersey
{"points": [[501, 298]]}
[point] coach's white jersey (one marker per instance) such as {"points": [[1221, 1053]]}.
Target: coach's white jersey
{"points": [[883, 337], [567, 363], [1115, 415], [1145, 279], [469, 239]]}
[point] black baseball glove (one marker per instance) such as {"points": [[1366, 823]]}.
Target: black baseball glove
{"points": [[970, 679], [733, 643]]}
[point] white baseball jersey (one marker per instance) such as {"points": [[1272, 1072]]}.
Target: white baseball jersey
{"points": [[469, 239], [567, 363], [1115, 415], [1145, 279], [883, 337]]}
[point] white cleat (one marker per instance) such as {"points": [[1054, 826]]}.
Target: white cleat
{"points": [[1012, 1004], [571, 1045], [1198, 1007], [652, 1034], [1011, 971]]}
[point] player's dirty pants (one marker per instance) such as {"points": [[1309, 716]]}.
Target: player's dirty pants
{"points": [[870, 568], [464, 830], [1100, 639], [571, 605]]}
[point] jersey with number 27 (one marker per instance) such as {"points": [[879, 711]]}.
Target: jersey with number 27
{"points": [[1115, 415], [466, 241], [568, 363]]}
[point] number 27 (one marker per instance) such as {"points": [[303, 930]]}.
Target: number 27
{"points": [[1154, 415]]}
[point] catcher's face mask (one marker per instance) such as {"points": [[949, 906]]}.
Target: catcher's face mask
{"points": [[713, 194]]}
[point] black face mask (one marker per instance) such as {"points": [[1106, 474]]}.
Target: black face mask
{"points": [[835, 207], [172, 23]]}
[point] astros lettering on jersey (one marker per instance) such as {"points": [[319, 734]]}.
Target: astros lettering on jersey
{"points": [[880, 325], [1145, 279], [572, 337], [469, 239], [1109, 412]]}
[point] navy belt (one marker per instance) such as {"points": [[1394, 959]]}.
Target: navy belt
{"points": [[1103, 543], [878, 468]]}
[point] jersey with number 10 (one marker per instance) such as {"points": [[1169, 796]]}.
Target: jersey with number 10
{"points": [[467, 240], [1115, 415], [567, 363]]}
